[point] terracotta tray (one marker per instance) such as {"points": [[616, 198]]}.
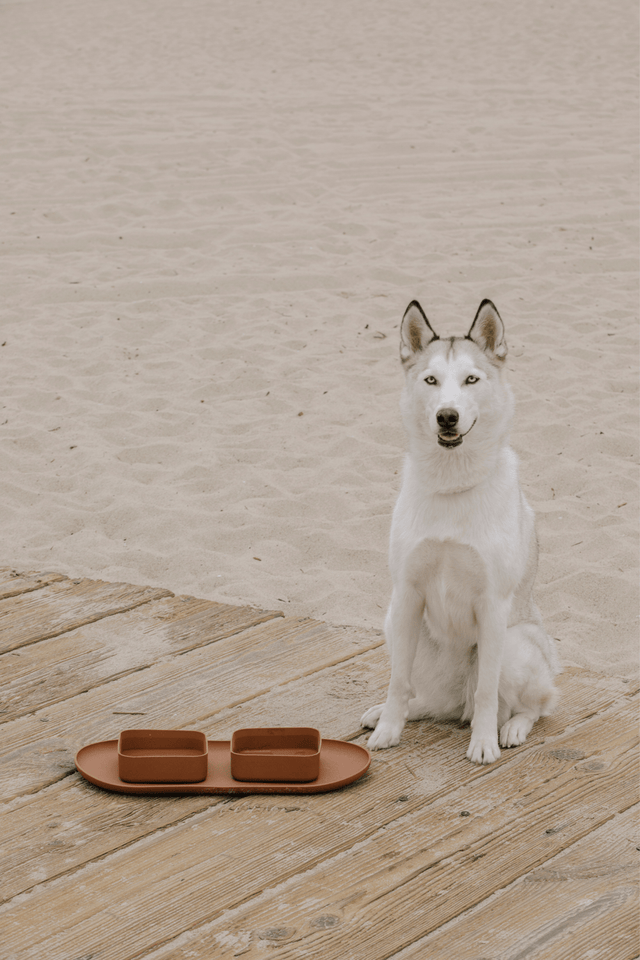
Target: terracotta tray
{"points": [[340, 763]]}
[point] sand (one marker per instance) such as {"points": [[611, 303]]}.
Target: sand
{"points": [[214, 214]]}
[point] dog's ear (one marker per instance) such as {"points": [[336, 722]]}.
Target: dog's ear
{"points": [[415, 332], [487, 330]]}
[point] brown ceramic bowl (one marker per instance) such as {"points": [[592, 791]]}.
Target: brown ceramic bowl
{"points": [[276, 754], [162, 756]]}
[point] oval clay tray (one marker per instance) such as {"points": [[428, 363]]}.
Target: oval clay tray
{"points": [[340, 763]]}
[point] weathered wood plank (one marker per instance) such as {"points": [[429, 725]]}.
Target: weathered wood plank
{"points": [[581, 903], [427, 869], [183, 691], [34, 837], [430, 763], [66, 605], [13, 582], [70, 822], [521, 814], [41, 674], [38, 844]]}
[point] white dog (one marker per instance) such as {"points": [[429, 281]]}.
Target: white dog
{"points": [[464, 635]]}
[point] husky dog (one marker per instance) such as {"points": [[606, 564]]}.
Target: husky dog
{"points": [[465, 638]]}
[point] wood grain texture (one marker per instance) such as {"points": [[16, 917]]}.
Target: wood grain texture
{"points": [[581, 903], [430, 763], [520, 815], [423, 870], [52, 670], [426, 851], [178, 692], [14, 582], [59, 607]]}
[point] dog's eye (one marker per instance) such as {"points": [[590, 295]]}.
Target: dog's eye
{"points": [[472, 379], [431, 381]]}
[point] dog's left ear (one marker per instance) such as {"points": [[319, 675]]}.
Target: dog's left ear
{"points": [[487, 330]]}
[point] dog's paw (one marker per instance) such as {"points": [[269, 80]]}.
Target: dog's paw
{"points": [[483, 750], [515, 731], [385, 735], [371, 716]]}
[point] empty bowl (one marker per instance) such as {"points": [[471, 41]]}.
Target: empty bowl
{"points": [[276, 754], [162, 756]]}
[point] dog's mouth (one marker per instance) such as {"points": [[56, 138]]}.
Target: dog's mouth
{"points": [[449, 439]]}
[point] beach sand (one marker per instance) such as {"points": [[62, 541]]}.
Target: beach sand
{"points": [[213, 217]]}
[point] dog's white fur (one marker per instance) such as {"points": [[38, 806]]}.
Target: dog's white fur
{"points": [[465, 638]]}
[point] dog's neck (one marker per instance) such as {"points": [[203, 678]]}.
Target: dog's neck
{"points": [[452, 472]]}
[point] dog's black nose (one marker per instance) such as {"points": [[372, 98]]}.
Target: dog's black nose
{"points": [[447, 419]]}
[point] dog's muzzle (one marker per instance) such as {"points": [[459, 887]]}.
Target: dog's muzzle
{"points": [[448, 435]]}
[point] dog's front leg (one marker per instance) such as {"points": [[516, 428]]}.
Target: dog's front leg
{"points": [[492, 622], [402, 628]]}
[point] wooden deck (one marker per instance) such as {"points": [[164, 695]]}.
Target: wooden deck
{"points": [[426, 857]]}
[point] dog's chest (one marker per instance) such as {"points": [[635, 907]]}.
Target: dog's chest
{"points": [[452, 578]]}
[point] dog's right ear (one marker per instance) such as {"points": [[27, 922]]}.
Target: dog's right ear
{"points": [[415, 333]]}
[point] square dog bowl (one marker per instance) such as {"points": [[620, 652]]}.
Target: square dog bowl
{"points": [[276, 754], [162, 756]]}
